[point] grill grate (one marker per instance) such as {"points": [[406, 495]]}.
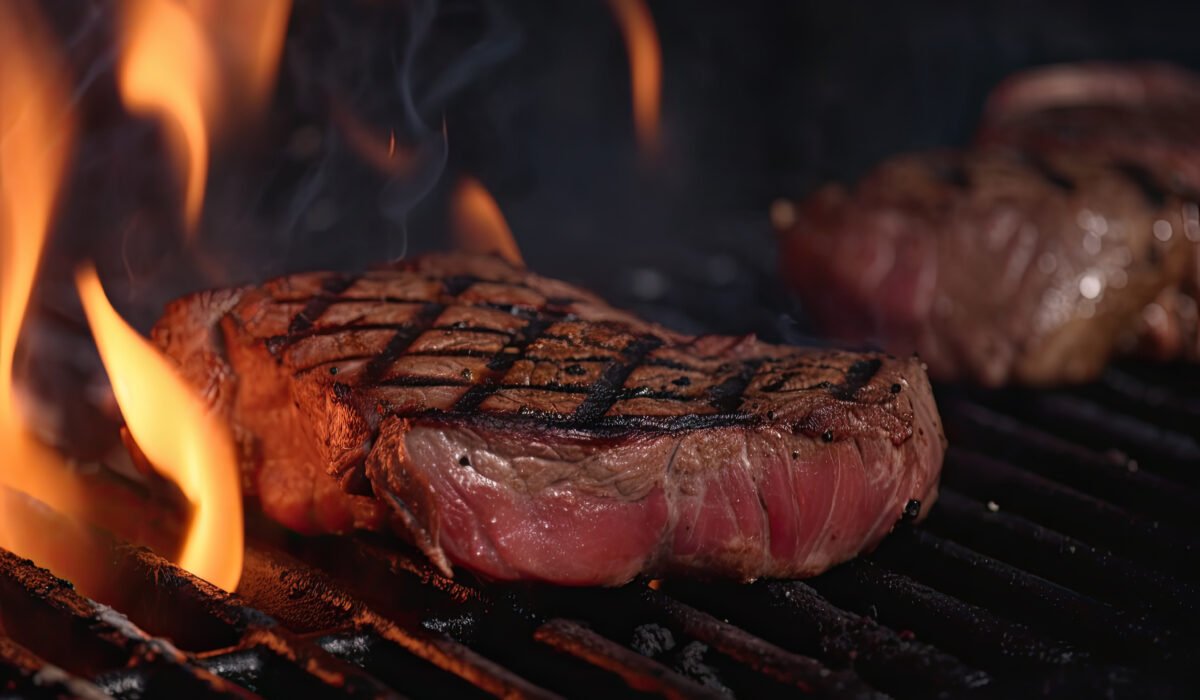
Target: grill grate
{"points": [[1061, 559]]}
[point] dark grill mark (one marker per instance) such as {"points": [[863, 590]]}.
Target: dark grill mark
{"points": [[369, 300], [671, 364], [501, 362], [330, 289], [348, 328], [599, 397], [727, 396], [467, 328], [611, 426], [419, 381], [1149, 185], [951, 173], [458, 284], [400, 342], [407, 335], [787, 377], [859, 374], [606, 390], [1049, 174], [303, 321]]}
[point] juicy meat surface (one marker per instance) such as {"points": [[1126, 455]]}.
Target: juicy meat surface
{"points": [[519, 427], [1141, 115], [995, 266]]}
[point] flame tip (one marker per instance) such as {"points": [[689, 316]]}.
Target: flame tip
{"points": [[636, 23], [479, 225]]}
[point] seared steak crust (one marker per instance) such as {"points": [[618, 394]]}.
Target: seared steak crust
{"points": [[522, 428]]}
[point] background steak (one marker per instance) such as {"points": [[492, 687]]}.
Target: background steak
{"points": [[520, 427], [1142, 114], [1069, 235], [994, 266]]}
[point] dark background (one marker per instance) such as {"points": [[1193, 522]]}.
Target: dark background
{"points": [[761, 100]]}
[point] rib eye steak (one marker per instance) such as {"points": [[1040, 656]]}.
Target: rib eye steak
{"points": [[521, 428], [996, 266]]}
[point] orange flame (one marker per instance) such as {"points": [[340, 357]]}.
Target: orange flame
{"points": [[168, 70], [248, 38], [645, 68], [479, 225], [35, 137], [177, 433], [177, 57]]}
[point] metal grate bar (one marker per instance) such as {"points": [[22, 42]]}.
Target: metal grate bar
{"points": [[1016, 594], [794, 615], [1168, 404], [1062, 559], [639, 672], [1157, 449], [1111, 476], [25, 674], [312, 599], [1149, 541], [304, 663], [86, 638], [976, 635], [785, 667]]}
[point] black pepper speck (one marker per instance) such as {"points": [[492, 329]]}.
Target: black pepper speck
{"points": [[912, 509], [464, 461], [896, 388], [333, 370], [827, 436]]}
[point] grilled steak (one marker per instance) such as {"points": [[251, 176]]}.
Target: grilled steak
{"points": [[521, 428], [1141, 115], [994, 266]]}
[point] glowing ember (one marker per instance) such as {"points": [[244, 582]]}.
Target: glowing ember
{"points": [[35, 137], [479, 225], [645, 68], [177, 433]]}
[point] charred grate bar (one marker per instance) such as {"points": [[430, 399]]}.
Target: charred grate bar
{"points": [[1052, 565]]}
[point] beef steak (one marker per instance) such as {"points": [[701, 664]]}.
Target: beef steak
{"points": [[995, 266], [519, 427], [1139, 114]]}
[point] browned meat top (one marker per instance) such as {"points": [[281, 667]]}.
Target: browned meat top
{"points": [[453, 337]]}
